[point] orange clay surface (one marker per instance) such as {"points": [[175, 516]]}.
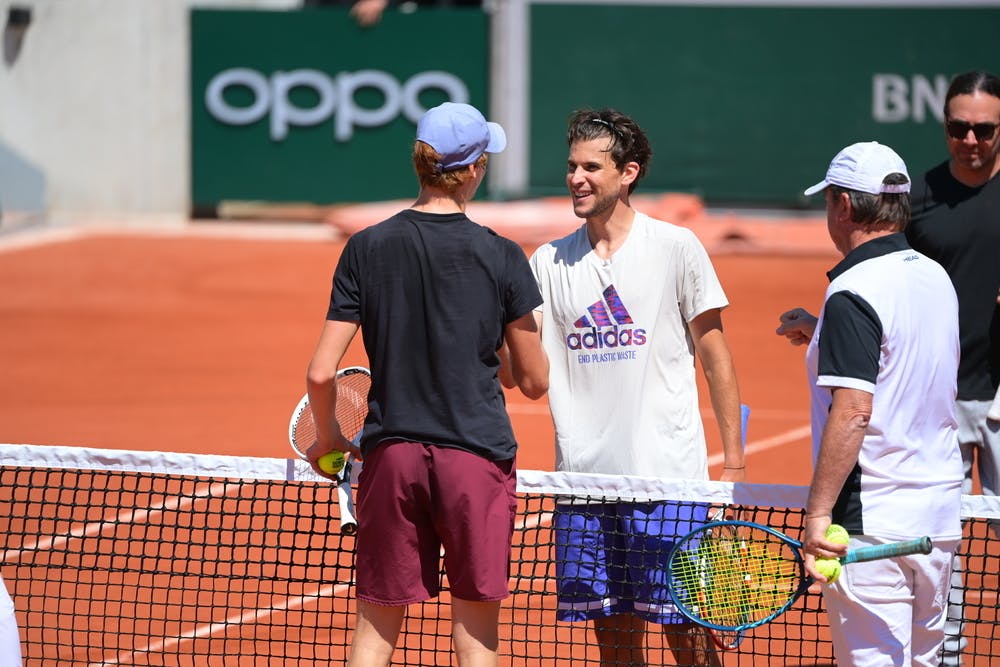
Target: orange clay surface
{"points": [[197, 340]]}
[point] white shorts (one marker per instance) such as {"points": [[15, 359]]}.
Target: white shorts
{"points": [[10, 641], [888, 613], [979, 439]]}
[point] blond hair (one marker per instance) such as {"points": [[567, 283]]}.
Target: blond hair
{"points": [[429, 174]]}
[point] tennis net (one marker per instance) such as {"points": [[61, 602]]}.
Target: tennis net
{"points": [[149, 558]]}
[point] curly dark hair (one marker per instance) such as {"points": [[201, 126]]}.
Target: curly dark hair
{"points": [[628, 141]]}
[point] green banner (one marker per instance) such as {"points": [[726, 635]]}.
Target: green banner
{"points": [[307, 106], [749, 104]]}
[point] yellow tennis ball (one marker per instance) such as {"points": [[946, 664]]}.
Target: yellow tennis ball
{"points": [[332, 462], [829, 568], [837, 533]]}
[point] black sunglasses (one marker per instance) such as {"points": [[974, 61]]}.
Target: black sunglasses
{"points": [[959, 129]]}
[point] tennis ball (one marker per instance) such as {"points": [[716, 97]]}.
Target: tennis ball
{"points": [[332, 462], [837, 533], [829, 568]]}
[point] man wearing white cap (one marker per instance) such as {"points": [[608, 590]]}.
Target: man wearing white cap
{"points": [[439, 299], [882, 359]]}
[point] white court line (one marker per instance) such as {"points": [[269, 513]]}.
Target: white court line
{"points": [[210, 629], [252, 616], [30, 238], [768, 443], [758, 446], [706, 413], [134, 516], [527, 524], [34, 236]]}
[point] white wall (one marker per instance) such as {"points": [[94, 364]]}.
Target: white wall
{"points": [[94, 110]]}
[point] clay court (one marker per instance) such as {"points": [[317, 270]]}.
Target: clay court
{"points": [[195, 340]]}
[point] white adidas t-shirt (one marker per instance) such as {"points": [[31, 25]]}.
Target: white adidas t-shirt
{"points": [[622, 381]]}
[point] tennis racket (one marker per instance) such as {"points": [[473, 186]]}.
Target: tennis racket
{"points": [[736, 575], [727, 640], [717, 537], [352, 408]]}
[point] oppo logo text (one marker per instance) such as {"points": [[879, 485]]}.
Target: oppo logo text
{"points": [[335, 97]]}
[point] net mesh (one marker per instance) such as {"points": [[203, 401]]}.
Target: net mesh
{"points": [[133, 558]]}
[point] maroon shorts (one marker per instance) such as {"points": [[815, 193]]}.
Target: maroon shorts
{"points": [[414, 499]]}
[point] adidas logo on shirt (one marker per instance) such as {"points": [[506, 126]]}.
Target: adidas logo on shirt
{"points": [[607, 312]]}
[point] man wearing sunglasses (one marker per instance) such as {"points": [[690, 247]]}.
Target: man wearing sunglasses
{"points": [[956, 221]]}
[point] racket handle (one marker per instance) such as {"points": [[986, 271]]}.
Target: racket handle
{"points": [[920, 545], [332, 462], [345, 497], [348, 522]]}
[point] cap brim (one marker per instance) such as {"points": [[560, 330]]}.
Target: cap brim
{"points": [[498, 138], [822, 185]]}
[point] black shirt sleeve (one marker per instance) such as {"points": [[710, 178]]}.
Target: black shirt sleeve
{"points": [[850, 341], [522, 289], [345, 296]]}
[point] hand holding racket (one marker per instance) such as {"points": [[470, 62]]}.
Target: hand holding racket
{"points": [[736, 575], [352, 408], [352, 386]]}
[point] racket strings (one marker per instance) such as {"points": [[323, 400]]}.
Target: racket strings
{"points": [[304, 433], [726, 640], [352, 403], [737, 576], [718, 543], [352, 408]]}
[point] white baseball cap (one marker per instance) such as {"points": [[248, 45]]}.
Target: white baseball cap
{"points": [[460, 134], [863, 167]]}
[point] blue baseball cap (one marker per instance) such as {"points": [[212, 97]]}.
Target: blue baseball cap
{"points": [[460, 134]]}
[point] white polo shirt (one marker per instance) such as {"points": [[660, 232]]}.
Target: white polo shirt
{"points": [[622, 372], [889, 327]]}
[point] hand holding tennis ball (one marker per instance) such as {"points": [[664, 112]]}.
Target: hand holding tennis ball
{"points": [[830, 567], [332, 462], [837, 533]]}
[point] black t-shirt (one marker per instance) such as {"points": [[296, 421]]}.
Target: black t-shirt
{"points": [[959, 227], [433, 293]]}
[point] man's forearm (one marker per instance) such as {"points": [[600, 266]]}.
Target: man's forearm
{"points": [[839, 448]]}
